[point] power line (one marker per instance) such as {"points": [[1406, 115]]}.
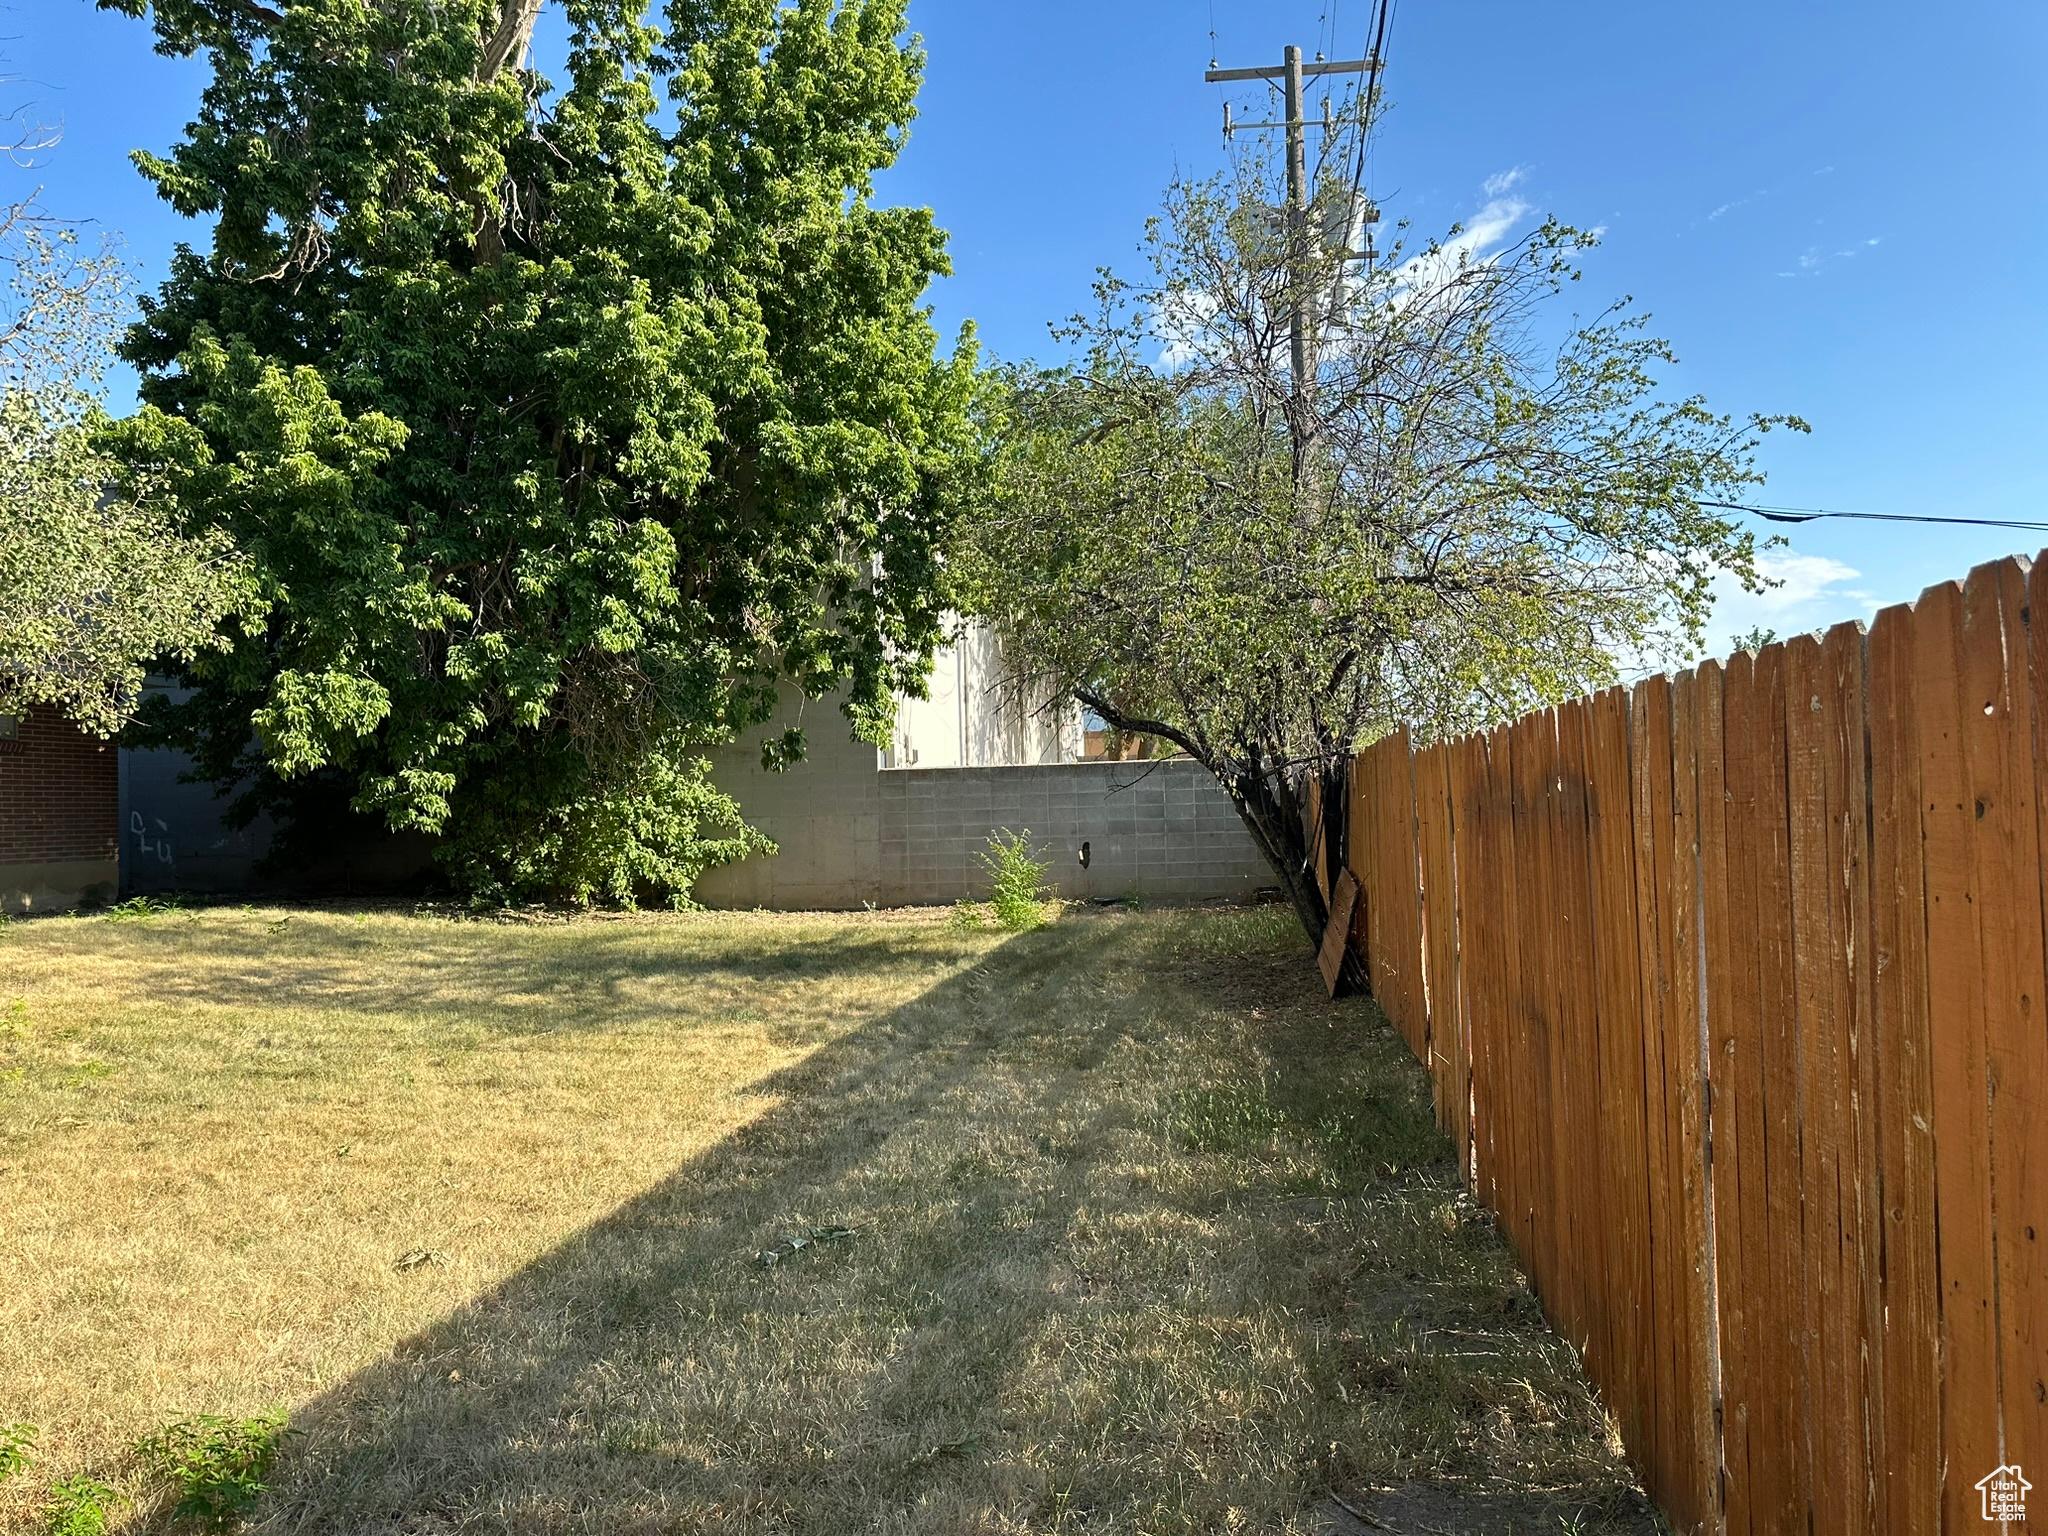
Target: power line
{"points": [[1378, 54], [1815, 514]]}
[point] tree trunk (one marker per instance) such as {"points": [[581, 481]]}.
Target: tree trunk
{"points": [[1270, 805], [1273, 811]]}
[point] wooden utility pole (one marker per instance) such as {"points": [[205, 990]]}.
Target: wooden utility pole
{"points": [[1293, 72]]}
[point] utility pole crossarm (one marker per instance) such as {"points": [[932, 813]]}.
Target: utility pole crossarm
{"points": [[1354, 67]]}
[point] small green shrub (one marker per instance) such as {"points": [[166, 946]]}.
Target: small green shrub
{"points": [[17, 1448], [217, 1465], [1016, 875], [78, 1507]]}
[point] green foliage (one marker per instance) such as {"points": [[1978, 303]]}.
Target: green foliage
{"points": [[138, 909], [17, 1448], [216, 1465], [1450, 521], [1756, 639], [566, 427], [92, 587], [1016, 876], [78, 1506]]}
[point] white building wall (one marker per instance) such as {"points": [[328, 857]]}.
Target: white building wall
{"points": [[975, 717]]}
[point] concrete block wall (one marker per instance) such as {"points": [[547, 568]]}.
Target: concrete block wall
{"points": [[59, 809], [851, 832]]}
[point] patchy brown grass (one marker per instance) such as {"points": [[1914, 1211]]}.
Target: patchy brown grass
{"points": [[1120, 1227]]}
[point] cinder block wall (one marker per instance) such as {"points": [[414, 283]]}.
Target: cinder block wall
{"points": [[59, 809], [852, 833]]}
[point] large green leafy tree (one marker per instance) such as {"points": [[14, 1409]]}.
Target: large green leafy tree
{"points": [[1466, 505], [563, 425]]}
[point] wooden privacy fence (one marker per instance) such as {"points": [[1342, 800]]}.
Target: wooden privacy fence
{"points": [[1732, 987]]}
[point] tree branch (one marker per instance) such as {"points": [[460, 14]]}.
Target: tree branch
{"points": [[1138, 726]]}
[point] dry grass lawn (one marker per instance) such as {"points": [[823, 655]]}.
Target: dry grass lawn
{"points": [[1125, 1229]]}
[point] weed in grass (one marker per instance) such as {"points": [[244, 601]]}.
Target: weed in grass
{"points": [[78, 1506], [790, 1244], [142, 908], [16, 1024], [216, 1465], [17, 1448], [968, 917], [1017, 888]]}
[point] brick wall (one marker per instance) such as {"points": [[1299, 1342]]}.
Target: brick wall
{"points": [[59, 793]]}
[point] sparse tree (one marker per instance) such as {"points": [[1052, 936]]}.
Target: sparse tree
{"points": [[1467, 506], [95, 584]]}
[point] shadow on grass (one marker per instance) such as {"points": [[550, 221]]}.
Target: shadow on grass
{"points": [[1081, 1257]]}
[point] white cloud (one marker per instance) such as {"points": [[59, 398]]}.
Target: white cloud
{"points": [[1811, 592], [1739, 202], [1505, 181], [1813, 260], [1478, 241]]}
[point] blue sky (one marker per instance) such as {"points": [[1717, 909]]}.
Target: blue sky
{"points": [[1833, 209]]}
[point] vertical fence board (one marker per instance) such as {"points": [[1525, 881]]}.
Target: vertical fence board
{"points": [[1560, 1049], [1722, 985], [1846, 762], [1447, 1058], [1479, 959], [1650, 760], [1816, 1006], [1400, 953], [1781, 1305], [1534, 738], [1511, 1165], [1740, 1118], [2016, 1033], [1911, 1357], [1684, 1060], [1590, 1220], [1631, 1384], [1962, 1139]]}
